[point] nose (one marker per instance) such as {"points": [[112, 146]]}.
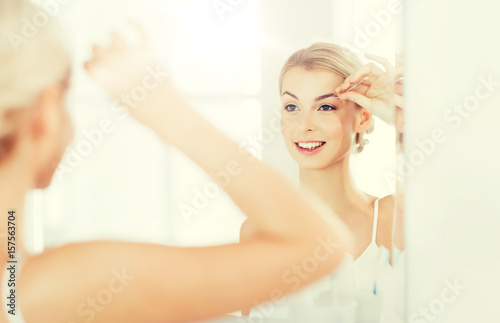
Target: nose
{"points": [[306, 123]]}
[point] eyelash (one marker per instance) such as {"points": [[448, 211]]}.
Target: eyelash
{"points": [[289, 106], [329, 106]]}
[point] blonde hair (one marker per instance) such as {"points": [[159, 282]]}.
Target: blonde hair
{"points": [[32, 57], [331, 57]]}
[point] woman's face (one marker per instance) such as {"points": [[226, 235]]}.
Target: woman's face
{"points": [[318, 129], [57, 139]]}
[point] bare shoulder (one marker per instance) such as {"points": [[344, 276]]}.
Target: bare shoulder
{"points": [[387, 206], [386, 220], [248, 230]]}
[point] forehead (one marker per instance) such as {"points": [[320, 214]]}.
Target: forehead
{"points": [[316, 82]]}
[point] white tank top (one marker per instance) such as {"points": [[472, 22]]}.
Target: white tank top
{"points": [[355, 280], [365, 266], [16, 317]]}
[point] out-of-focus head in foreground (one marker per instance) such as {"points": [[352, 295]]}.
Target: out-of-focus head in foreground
{"points": [[35, 127]]}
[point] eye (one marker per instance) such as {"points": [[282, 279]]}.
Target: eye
{"points": [[291, 107], [326, 107]]}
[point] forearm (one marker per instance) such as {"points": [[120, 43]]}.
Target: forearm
{"points": [[274, 206], [125, 282]]}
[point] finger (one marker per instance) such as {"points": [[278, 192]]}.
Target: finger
{"points": [[398, 88], [358, 98], [399, 71], [369, 68], [365, 70], [396, 75], [117, 41], [399, 121], [367, 81], [363, 87], [87, 65], [348, 83], [97, 51], [381, 60], [140, 29], [398, 101]]}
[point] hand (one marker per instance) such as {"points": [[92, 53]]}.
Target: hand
{"points": [[132, 75], [398, 94], [377, 93]]}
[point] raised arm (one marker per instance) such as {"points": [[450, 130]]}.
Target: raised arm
{"points": [[132, 282]]}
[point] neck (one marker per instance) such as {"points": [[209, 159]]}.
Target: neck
{"points": [[335, 186], [15, 183]]}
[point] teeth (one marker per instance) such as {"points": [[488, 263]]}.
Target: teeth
{"points": [[310, 145]]}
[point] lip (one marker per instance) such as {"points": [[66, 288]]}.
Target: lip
{"points": [[309, 151]]}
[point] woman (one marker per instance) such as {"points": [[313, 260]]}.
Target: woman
{"points": [[322, 130], [134, 282]]}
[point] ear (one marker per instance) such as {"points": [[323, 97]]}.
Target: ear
{"points": [[45, 116], [363, 120]]}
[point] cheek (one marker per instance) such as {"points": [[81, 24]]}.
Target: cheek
{"points": [[347, 123], [286, 128], [68, 131], [65, 135], [333, 128], [62, 137]]}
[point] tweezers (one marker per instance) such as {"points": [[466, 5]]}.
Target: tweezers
{"points": [[350, 88]]}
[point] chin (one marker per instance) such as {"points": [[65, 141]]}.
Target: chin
{"points": [[309, 163], [310, 166], [43, 182], [44, 178], [313, 164]]}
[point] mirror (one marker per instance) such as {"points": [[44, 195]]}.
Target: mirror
{"points": [[227, 57]]}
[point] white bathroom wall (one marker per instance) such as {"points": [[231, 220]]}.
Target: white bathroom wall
{"points": [[452, 113]]}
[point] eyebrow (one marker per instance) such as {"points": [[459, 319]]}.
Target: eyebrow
{"points": [[319, 98], [324, 96], [290, 94]]}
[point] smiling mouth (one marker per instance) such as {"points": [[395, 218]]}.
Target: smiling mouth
{"points": [[310, 146]]}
